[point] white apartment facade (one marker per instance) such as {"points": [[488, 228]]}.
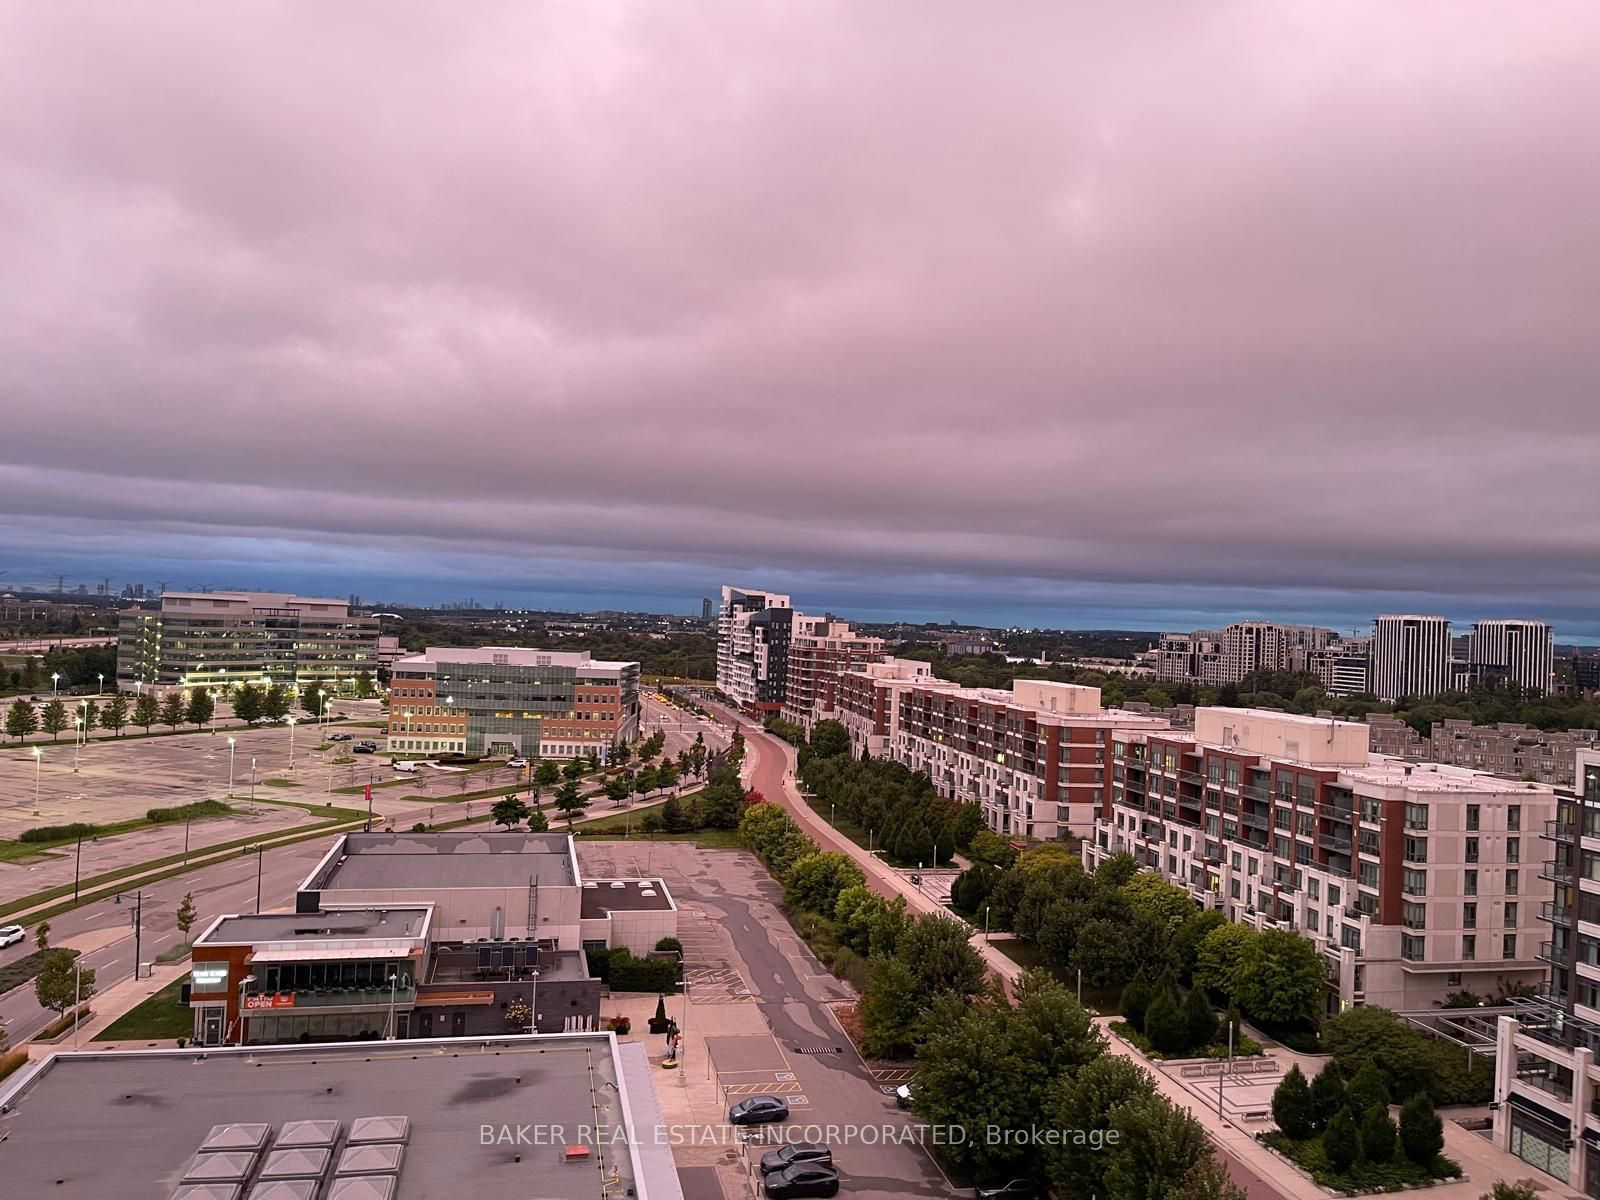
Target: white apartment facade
{"points": [[1410, 656], [744, 663], [1412, 880], [1517, 652]]}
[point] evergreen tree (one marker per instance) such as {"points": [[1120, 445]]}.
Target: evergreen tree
{"points": [[1293, 1108], [172, 709], [1366, 1089], [1341, 1144], [1201, 1018], [537, 821], [115, 714], [1377, 1135], [146, 711], [200, 709], [1327, 1093], [1164, 1024], [53, 719], [21, 719], [1421, 1131], [1135, 997]]}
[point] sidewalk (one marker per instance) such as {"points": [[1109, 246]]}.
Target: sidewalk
{"points": [[111, 1004]]}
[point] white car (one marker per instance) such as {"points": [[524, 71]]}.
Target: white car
{"points": [[10, 935], [517, 762]]}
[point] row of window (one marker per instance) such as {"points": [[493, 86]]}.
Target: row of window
{"points": [[1414, 948]]}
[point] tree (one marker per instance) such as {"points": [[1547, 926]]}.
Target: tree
{"points": [[200, 709], [889, 1008], [1377, 1134], [41, 936], [1087, 1103], [1208, 1179], [114, 716], [617, 790], [829, 739], [364, 688], [509, 811], [1341, 1144], [1219, 963], [1421, 1131], [867, 922], [546, 774], [537, 821], [1327, 1093], [644, 781], [311, 701], [941, 958], [1158, 1145], [1280, 978], [1367, 1089], [675, 816], [816, 881], [1153, 897], [1164, 1024], [186, 915], [1293, 1108], [276, 703], [570, 802], [667, 774], [22, 719], [146, 711], [1201, 1019], [54, 718], [573, 769], [59, 986], [1136, 997], [722, 802], [620, 754], [172, 710], [247, 703], [1188, 937]]}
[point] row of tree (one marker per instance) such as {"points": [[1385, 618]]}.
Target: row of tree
{"points": [[23, 718], [1352, 1120]]}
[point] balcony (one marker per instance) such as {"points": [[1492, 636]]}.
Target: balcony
{"points": [[1338, 845], [328, 997], [1550, 1086], [1555, 914], [1556, 872], [1548, 951], [1560, 831]]}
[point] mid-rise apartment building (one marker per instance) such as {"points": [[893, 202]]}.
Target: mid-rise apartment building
{"points": [[867, 701], [1508, 749], [1410, 657], [212, 639], [1413, 880], [819, 649], [1213, 659], [1034, 758], [1547, 1081], [511, 700], [1517, 653]]}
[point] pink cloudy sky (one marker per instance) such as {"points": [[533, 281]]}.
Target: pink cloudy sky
{"points": [[1097, 314]]}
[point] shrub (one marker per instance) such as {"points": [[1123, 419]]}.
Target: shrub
{"points": [[1421, 1131], [1341, 1144], [1136, 999], [670, 944], [58, 833], [650, 822], [1327, 1094], [1377, 1134], [627, 973], [1293, 1108], [1164, 1024], [1200, 1017], [1366, 1089], [184, 812]]}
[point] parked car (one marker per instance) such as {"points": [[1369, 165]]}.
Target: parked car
{"points": [[10, 935], [756, 1110], [1010, 1189], [364, 748], [340, 737], [796, 1152], [517, 762], [802, 1179], [902, 1095]]}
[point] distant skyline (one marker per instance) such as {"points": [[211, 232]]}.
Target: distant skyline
{"points": [[1138, 316]]}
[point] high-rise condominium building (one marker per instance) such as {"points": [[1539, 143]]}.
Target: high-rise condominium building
{"points": [[820, 648], [1413, 880], [1514, 652], [752, 654], [207, 639], [511, 700], [1410, 657], [708, 608]]}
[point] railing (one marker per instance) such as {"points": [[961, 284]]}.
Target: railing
{"points": [[1544, 1083], [1560, 830], [1556, 872], [334, 997], [1554, 913]]}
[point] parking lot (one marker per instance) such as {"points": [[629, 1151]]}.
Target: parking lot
{"points": [[759, 1021]]}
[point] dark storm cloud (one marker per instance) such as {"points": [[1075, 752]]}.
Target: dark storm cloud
{"points": [[1193, 308]]}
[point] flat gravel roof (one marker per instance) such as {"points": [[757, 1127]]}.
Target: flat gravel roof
{"points": [[450, 860]]}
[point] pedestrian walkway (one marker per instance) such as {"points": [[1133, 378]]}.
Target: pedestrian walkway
{"points": [[107, 1006]]}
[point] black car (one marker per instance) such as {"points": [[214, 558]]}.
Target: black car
{"points": [[1010, 1189], [796, 1152], [757, 1110], [802, 1179], [364, 749]]}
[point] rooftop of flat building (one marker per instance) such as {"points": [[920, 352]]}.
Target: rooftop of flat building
{"points": [[252, 599], [601, 896], [509, 656], [329, 924], [1385, 770], [429, 861], [88, 1125]]}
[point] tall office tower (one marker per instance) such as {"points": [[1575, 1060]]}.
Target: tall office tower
{"points": [[1519, 652], [1410, 656], [708, 608]]}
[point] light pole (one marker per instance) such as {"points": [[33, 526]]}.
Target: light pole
{"points": [[38, 761], [77, 869], [388, 1033], [55, 684], [101, 686], [77, 736], [261, 856], [985, 924], [138, 925], [243, 983], [291, 743], [252, 778], [232, 745]]}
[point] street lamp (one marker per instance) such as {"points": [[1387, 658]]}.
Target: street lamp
{"points": [[55, 683], [388, 1034], [232, 745], [38, 759], [77, 736], [101, 687], [243, 983], [252, 778], [291, 743], [986, 924]]}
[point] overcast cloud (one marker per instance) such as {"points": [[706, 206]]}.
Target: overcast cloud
{"points": [[1099, 314]]}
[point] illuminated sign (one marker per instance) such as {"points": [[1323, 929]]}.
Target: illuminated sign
{"points": [[209, 976], [269, 1000]]}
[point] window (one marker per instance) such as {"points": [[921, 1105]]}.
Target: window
{"points": [[1514, 818], [1513, 850], [1469, 947], [1412, 948], [1416, 850], [1472, 818], [1469, 885], [1511, 912], [1314, 889], [1472, 850], [1511, 882], [1416, 816], [1508, 946], [1333, 893], [1414, 916], [1368, 874], [1369, 809], [1469, 915], [1415, 882], [1306, 824]]}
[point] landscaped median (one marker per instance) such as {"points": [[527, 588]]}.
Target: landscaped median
{"points": [[108, 883], [46, 837]]}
